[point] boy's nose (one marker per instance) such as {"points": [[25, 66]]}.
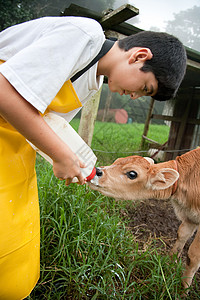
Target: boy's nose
{"points": [[134, 95]]}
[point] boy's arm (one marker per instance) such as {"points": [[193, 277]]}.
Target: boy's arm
{"points": [[26, 119]]}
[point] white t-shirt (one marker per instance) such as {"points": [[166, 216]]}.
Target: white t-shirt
{"points": [[42, 54]]}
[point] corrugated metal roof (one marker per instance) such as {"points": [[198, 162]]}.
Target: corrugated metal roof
{"points": [[193, 54]]}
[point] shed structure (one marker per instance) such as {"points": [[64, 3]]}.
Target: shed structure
{"points": [[184, 130]]}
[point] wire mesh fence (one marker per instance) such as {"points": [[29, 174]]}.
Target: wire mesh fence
{"points": [[120, 127], [113, 138]]}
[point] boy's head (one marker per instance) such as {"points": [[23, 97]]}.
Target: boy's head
{"points": [[168, 62]]}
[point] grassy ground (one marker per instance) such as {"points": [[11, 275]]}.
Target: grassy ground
{"points": [[111, 140], [87, 252]]}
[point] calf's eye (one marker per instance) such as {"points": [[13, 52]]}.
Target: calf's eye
{"points": [[131, 175]]}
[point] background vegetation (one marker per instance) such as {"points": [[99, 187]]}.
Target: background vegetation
{"points": [[87, 250], [111, 140], [185, 25], [137, 110]]}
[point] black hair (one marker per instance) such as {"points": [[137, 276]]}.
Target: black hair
{"points": [[168, 63]]}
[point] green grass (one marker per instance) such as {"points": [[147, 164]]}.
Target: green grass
{"points": [[111, 140], [87, 252]]}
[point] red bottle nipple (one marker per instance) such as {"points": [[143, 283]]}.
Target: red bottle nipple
{"points": [[91, 176]]}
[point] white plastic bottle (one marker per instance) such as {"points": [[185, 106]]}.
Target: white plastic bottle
{"points": [[64, 130]]}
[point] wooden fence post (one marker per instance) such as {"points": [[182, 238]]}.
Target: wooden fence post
{"points": [[146, 126], [107, 105], [88, 117]]}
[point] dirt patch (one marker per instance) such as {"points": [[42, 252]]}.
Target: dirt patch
{"points": [[155, 220]]}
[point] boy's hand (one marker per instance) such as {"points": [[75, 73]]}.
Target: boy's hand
{"points": [[68, 168]]}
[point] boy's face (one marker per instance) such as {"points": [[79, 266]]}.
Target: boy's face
{"points": [[127, 78]]}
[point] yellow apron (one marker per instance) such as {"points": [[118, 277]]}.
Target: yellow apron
{"points": [[19, 208]]}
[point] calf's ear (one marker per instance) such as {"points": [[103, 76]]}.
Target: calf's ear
{"points": [[150, 160], [163, 179]]}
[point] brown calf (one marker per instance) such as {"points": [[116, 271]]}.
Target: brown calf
{"points": [[138, 178]]}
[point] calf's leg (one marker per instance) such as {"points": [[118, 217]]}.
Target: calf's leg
{"points": [[193, 262], [185, 231]]}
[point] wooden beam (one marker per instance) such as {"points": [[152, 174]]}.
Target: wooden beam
{"points": [[126, 29], [150, 140], [119, 15], [79, 11], [183, 125], [193, 64], [111, 33], [175, 119], [166, 118]]}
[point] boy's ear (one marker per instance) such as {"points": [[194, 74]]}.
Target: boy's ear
{"points": [[140, 55]]}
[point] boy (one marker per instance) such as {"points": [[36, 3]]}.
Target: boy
{"points": [[38, 59]]}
